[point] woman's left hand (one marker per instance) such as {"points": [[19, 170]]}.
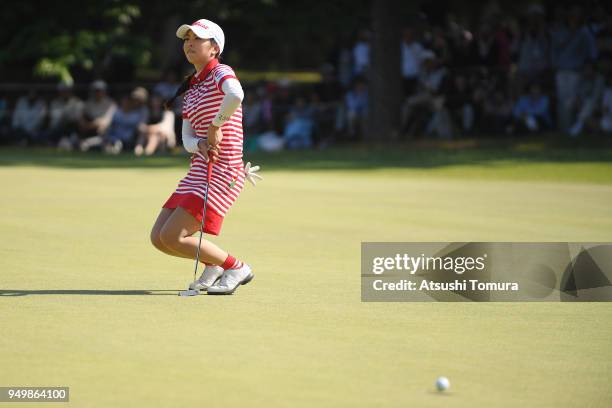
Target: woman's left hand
{"points": [[209, 153]]}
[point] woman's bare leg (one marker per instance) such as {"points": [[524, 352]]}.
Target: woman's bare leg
{"points": [[176, 235], [156, 233]]}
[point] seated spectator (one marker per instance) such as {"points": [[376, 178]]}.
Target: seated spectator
{"points": [[124, 125], [590, 91], [299, 126], [97, 115], [459, 102], [433, 73], [158, 131], [65, 112], [417, 110], [28, 118], [532, 112], [127, 121], [356, 102], [497, 112]]}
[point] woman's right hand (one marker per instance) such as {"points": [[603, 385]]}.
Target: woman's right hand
{"points": [[207, 151]]}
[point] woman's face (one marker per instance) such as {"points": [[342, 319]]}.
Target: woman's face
{"points": [[198, 51]]}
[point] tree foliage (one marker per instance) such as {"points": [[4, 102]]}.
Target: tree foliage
{"points": [[85, 38]]}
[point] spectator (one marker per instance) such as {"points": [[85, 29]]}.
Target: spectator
{"points": [[412, 58], [268, 105], [459, 102], [572, 46], [534, 48], [589, 95], [65, 112], [124, 125], [440, 45], [299, 126], [503, 45], [417, 109], [158, 131], [28, 118], [127, 121], [326, 100], [345, 64], [497, 112], [361, 54], [356, 101], [485, 41], [283, 103], [464, 52], [97, 115], [531, 112]]}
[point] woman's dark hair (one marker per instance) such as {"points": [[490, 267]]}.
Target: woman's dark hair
{"points": [[181, 90]]}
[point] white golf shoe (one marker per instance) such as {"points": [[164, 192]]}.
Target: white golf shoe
{"points": [[231, 279], [210, 275]]}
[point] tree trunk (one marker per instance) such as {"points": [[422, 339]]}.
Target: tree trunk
{"points": [[385, 85]]}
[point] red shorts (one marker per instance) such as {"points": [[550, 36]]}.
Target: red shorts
{"points": [[194, 205]]}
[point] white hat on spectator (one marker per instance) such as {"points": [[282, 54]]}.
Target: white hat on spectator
{"points": [[98, 85], [140, 94], [204, 29]]}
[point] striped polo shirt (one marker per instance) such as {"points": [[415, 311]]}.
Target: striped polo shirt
{"points": [[200, 105]]}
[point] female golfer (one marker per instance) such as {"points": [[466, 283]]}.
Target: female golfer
{"points": [[212, 130]]}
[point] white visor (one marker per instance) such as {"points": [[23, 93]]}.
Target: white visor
{"points": [[204, 29]]}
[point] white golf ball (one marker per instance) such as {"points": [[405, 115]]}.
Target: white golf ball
{"points": [[442, 384]]}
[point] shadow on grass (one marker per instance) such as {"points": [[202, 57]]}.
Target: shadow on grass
{"points": [[359, 157], [23, 292]]}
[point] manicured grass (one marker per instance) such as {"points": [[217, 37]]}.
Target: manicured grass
{"points": [[88, 303]]}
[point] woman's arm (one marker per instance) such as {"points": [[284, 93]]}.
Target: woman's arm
{"points": [[231, 101], [194, 144], [190, 141]]}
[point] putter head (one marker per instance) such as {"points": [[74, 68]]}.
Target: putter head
{"points": [[189, 292]]}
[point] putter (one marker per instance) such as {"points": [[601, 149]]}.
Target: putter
{"points": [[195, 292]]}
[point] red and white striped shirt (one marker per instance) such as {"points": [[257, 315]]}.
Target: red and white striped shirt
{"points": [[200, 105]]}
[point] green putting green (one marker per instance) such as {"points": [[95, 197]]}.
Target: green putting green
{"points": [[87, 302]]}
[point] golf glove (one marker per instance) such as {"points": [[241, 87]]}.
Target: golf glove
{"points": [[250, 173]]}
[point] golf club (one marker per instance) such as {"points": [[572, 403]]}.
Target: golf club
{"points": [[195, 292]]}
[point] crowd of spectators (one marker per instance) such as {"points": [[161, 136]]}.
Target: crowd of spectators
{"points": [[137, 121], [539, 71], [510, 75]]}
